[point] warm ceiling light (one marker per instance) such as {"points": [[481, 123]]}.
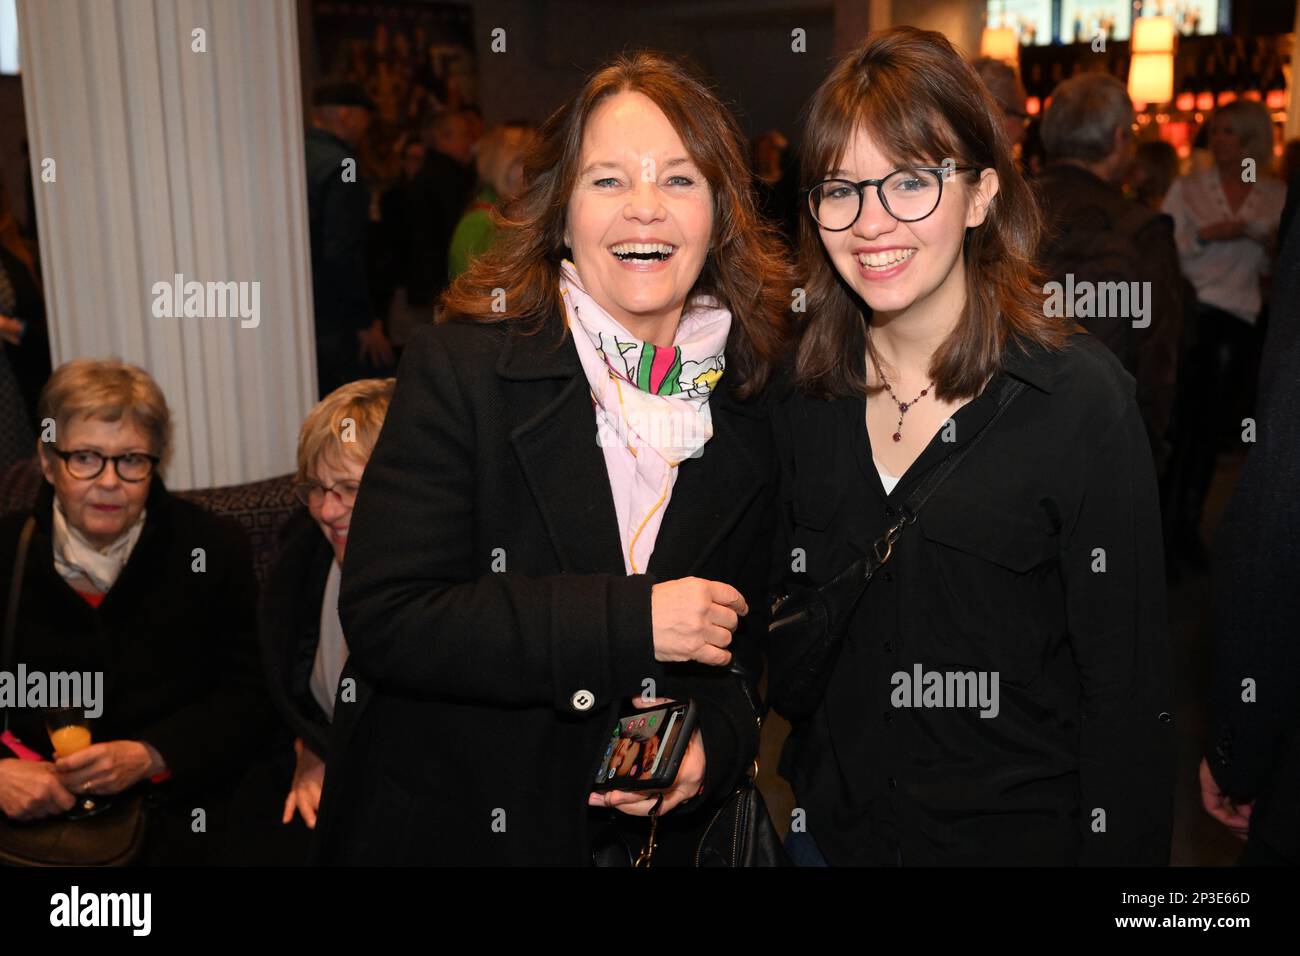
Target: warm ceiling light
{"points": [[1151, 71], [1000, 43]]}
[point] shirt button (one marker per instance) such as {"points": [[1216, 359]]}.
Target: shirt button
{"points": [[889, 647], [582, 700], [889, 716], [893, 784], [1165, 717], [887, 576]]}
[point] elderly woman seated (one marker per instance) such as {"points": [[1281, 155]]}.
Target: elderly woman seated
{"points": [[303, 646], [154, 593]]}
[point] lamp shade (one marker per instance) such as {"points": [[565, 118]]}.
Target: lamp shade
{"points": [[1000, 43], [1151, 72], [1151, 77], [1153, 35]]}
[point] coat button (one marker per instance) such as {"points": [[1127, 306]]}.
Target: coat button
{"points": [[1165, 717], [889, 716], [892, 783], [887, 576], [582, 700], [889, 647]]}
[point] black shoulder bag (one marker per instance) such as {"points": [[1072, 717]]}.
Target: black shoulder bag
{"points": [[112, 838], [808, 625]]}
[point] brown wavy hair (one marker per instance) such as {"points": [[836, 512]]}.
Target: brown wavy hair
{"points": [[746, 269], [913, 94]]}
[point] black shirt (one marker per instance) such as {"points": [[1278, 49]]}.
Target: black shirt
{"points": [[1039, 559]]}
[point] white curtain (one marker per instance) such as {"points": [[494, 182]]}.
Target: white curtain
{"points": [[171, 161]]}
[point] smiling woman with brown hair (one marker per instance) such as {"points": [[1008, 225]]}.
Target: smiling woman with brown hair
{"points": [[570, 504], [1033, 571]]}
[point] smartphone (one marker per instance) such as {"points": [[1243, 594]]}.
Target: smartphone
{"points": [[645, 748]]}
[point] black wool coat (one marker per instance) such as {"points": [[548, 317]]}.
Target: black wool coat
{"points": [[176, 645], [289, 628], [1253, 740], [492, 627]]}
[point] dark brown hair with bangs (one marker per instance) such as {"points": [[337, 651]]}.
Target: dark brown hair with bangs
{"points": [[920, 102], [746, 268]]}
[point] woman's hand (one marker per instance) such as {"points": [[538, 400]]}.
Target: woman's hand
{"points": [[1235, 816], [693, 620], [108, 768], [11, 330], [688, 784], [308, 780], [1220, 231], [30, 789]]}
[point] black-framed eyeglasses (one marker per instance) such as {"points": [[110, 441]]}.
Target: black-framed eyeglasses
{"points": [[86, 464], [312, 493], [909, 195]]}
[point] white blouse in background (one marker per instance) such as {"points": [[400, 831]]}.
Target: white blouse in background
{"points": [[331, 649], [1225, 273]]}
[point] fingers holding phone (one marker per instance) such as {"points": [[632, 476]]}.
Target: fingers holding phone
{"points": [[653, 748]]}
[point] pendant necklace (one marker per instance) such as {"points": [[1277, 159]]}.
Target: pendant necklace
{"points": [[902, 406]]}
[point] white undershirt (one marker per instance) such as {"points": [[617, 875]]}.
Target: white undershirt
{"points": [[889, 481], [331, 649]]}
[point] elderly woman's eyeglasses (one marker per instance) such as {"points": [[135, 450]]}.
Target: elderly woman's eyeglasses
{"points": [[312, 493], [85, 464], [908, 195]]}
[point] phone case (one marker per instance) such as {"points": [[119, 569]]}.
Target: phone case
{"points": [[623, 764]]}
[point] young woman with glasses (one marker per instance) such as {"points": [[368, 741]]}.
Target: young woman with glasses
{"points": [[1001, 695]]}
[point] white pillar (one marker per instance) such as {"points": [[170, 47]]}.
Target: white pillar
{"points": [[167, 161]]}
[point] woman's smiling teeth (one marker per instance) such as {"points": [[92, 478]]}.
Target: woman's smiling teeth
{"points": [[884, 260], [643, 250]]}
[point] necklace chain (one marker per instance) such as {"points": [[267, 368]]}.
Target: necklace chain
{"points": [[902, 406]]}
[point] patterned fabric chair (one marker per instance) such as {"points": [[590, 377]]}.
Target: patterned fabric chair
{"points": [[260, 507]]}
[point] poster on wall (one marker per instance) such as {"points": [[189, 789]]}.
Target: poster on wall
{"points": [[1191, 17], [1082, 21], [412, 58], [1031, 19]]}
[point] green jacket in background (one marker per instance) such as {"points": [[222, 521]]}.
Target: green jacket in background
{"points": [[474, 233]]}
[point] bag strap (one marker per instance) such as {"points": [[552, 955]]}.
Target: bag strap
{"points": [[9, 643], [884, 545]]}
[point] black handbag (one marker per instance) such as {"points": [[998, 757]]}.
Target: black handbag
{"points": [[114, 837], [741, 833], [808, 624]]}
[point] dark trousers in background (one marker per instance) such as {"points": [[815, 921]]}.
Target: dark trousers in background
{"points": [[1216, 390]]}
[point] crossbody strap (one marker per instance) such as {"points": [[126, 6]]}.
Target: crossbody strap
{"points": [[884, 545], [9, 643]]}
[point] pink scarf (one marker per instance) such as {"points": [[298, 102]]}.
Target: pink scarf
{"points": [[652, 404]]}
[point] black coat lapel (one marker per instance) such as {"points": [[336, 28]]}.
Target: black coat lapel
{"points": [[556, 448], [565, 468], [711, 493]]}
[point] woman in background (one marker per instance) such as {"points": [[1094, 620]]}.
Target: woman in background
{"points": [[303, 645], [23, 339], [152, 591], [1225, 224], [500, 166]]}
